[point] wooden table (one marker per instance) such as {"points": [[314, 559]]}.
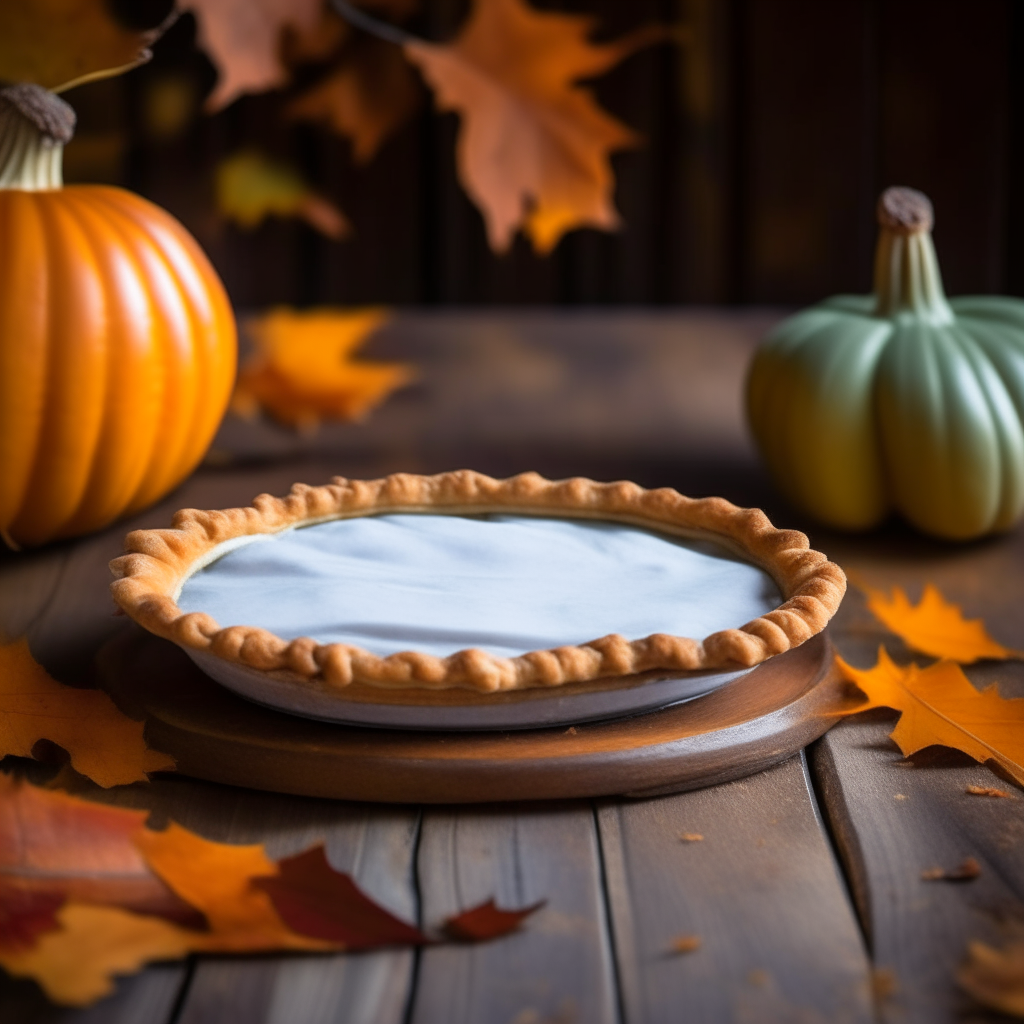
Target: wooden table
{"points": [[806, 890]]}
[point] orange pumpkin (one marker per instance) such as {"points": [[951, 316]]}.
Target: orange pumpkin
{"points": [[117, 341]]}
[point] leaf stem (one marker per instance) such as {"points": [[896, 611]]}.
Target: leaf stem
{"points": [[381, 29]]}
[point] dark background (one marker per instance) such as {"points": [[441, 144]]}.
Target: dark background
{"points": [[769, 133]]}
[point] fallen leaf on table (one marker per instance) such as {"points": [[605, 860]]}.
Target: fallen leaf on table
{"points": [[103, 743], [995, 977], [243, 39], [533, 147], [968, 870], [251, 187], [95, 865], [935, 626], [938, 705], [487, 921], [55, 43], [365, 98], [301, 371], [75, 965], [987, 791], [55, 845], [685, 944], [216, 879], [315, 900], [25, 916]]}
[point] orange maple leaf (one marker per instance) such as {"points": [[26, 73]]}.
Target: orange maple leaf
{"points": [[935, 626], [103, 743], [938, 705], [534, 145], [243, 39], [301, 373], [60, 43]]}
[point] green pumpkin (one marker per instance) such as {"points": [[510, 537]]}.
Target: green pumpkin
{"points": [[899, 400]]}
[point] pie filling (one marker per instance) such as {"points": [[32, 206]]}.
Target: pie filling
{"points": [[508, 584]]}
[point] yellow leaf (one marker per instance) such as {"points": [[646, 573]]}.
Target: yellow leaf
{"points": [[935, 626], [103, 744], [56, 43], [301, 371], [939, 705], [215, 879], [995, 977], [250, 187], [533, 147], [75, 964], [243, 39]]}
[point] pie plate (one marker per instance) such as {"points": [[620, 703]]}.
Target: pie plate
{"points": [[462, 602]]}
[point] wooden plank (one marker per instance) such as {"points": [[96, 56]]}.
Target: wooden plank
{"points": [[761, 891], [558, 967], [894, 818]]}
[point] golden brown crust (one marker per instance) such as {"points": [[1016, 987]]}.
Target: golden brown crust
{"points": [[150, 576]]}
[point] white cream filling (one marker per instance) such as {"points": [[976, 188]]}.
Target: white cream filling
{"points": [[505, 583]]}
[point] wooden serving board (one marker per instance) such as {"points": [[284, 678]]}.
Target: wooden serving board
{"points": [[761, 718]]}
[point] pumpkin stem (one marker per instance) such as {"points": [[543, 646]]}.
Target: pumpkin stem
{"points": [[34, 126], [907, 277]]}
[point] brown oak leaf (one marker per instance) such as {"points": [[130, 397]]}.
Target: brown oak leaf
{"points": [[533, 149]]}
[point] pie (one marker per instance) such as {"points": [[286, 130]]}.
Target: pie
{"points": [[463, 581]]}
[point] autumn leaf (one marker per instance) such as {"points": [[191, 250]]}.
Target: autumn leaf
{"points": [[301, 371], [103, 743], [935, 626], [79, 926], [216, 878], [938, 705], [25, 916], [487, 921], [53, 844], [369, 94], [60, 43], [315, 900], [995, 977], [533, 150], [75, 964], [243, 39], [250, 187]]}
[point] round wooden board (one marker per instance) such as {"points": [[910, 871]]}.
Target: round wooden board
{"points": [[759, 719]]}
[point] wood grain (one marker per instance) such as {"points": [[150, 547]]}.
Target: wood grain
{"points": [[756, 720], [779, 941], [558, 967]]}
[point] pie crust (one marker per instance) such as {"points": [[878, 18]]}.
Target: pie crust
{"points": [[158, 562]]}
